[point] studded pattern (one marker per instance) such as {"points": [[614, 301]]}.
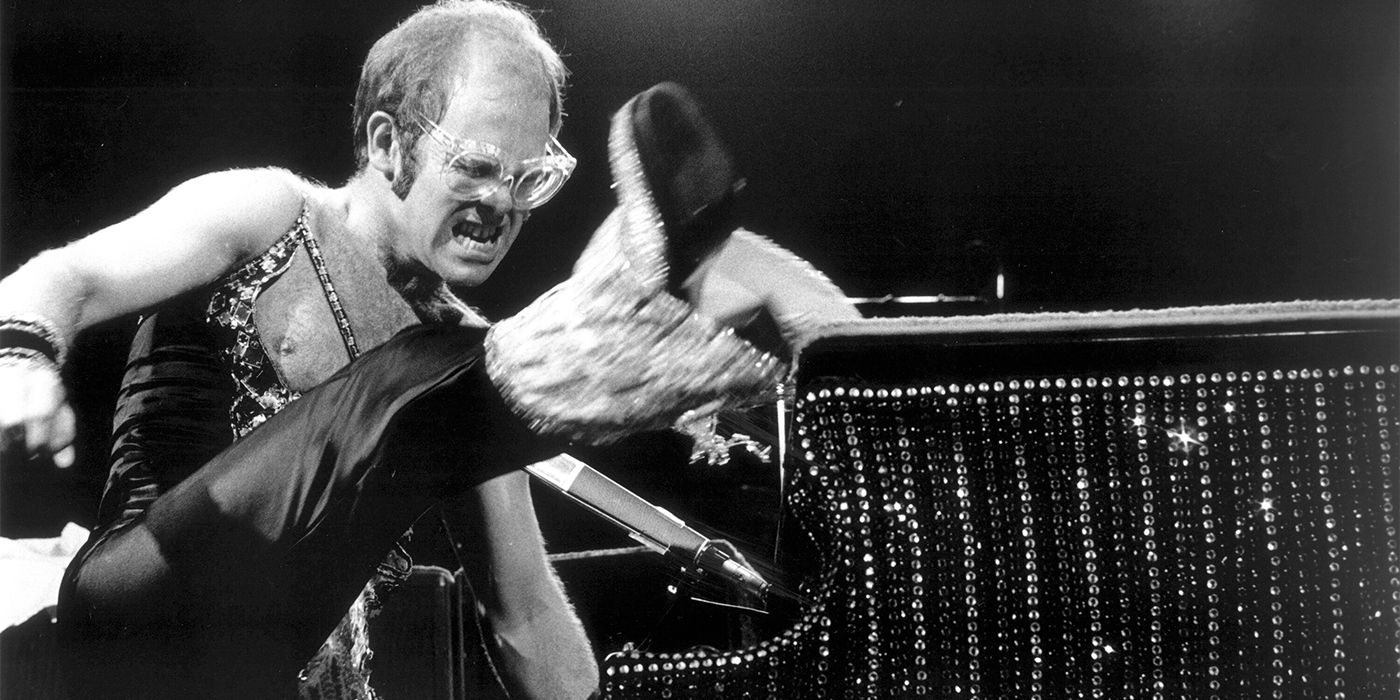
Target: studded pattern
{"points": [[1147, 535], [339, 669], [259, 392], [342, 322]]}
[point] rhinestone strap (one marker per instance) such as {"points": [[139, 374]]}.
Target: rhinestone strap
{"points": [[342, 321]]}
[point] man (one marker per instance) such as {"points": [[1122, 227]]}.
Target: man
{"points": [[356, 264], [258, 479]]}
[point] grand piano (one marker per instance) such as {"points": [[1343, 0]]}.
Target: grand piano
{"points": [[1193, 502]]}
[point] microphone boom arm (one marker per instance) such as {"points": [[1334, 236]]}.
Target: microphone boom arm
{"points": [[655, 527]]}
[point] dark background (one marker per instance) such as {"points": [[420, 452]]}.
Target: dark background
{"points": [[1102, 154], [1114, 154]]}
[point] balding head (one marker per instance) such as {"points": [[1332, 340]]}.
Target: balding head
{"points": [[416, 69]]}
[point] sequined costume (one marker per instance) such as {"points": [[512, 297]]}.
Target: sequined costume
{"points": [[225, 578], [339, 669], [198, 380]]}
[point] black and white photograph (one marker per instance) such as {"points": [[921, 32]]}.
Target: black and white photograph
{"points": [[642, 349]]}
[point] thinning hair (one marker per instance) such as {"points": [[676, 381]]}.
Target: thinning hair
{"points": [[410, 70]]}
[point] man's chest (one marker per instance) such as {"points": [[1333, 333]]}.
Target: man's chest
{"points": [[307, 324]]}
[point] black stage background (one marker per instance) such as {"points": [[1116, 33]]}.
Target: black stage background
{"points": [[1103, 155]]}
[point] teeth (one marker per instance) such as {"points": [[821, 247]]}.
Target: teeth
{"points": [[476, 232]]}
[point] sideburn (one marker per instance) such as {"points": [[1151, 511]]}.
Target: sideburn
{"points": [[403, 179]]}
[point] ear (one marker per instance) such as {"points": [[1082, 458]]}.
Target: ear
{"points": [[382, 146]]}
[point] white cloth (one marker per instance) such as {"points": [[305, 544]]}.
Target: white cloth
{"points": [[30, 571]]}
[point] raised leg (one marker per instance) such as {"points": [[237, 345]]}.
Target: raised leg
{"points": [[234, 577]]}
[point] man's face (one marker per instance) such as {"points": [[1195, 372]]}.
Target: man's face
{"points": [[463, 239]]}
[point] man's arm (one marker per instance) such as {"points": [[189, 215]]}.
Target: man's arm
{"points": [[536, 640], [189, 237]]}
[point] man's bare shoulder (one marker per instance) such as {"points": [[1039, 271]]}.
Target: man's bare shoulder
{"points": [[244, 209]]}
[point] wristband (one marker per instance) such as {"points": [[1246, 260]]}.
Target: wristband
{"points": [[16, 357], [33, 333]]}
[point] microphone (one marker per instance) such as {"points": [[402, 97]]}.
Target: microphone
{"points": [[654, 527]]}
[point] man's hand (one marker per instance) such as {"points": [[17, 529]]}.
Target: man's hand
{"points": [[34, 414]]}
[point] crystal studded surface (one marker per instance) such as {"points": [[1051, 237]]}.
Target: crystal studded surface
{"points": [[1161, 534]]}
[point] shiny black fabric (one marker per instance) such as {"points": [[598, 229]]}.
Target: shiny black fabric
{"points": [[172, 412], [231, 579]]}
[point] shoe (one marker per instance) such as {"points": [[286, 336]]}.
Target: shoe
{"points": [[612, 351], [774, 299], [692, 176]]}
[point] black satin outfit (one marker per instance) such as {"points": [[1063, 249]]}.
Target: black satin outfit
{"points": [[221, 563]]}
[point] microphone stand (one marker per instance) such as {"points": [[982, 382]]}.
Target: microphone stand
{"points": [[654, 527]]}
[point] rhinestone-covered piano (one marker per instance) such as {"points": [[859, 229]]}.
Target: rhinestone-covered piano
{"points": [[1183, 503]]}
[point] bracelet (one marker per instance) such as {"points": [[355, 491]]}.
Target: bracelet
{"points": [[18, 357], [36, 333]]}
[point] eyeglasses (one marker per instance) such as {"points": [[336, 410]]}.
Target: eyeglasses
{"points": [[475, 169]]}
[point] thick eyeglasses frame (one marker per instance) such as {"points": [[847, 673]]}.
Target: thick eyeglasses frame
{"points": [[555, 167]]}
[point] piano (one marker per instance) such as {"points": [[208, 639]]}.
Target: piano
{"points": [[1192, 502]]}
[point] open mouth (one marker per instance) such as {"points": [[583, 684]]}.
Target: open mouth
{"points": [[481, 233]]}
